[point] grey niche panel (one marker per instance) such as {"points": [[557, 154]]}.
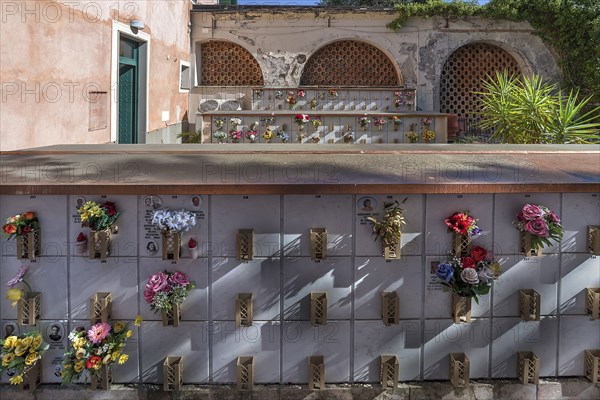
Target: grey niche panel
{"points": [[117, 275], [301, 276], [261, 340], [302, 212], [52, 215], [579, 210], [190, 340], [443, 337], [438, 240], [577, 333], [538, 273], [371, 340], [259, 277], [230, 213], [331, 341], [510, 335], [123, 244], [375, 275], [506, 236], [578, 272], [47, 276], [372, 206], [195, 307]]}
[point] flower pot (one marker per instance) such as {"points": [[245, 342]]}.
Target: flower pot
{"points": [[99, 244], [461, 245], [171, 245], [29, 244], [391, 253], [173, 316], [103, 380], [33, 377], [527, 248], [29, 308], [461, 309]]}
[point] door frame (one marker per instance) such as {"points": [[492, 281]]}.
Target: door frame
{"points": [[119, 29]]}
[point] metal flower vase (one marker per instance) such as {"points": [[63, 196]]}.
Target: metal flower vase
{"points": [[99, 244]]}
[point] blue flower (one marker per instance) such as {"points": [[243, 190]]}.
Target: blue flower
{"points": [[445, 272]]}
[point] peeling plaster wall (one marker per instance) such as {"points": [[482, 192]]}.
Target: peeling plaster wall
{"points": [[53, 53], [282, 41]]}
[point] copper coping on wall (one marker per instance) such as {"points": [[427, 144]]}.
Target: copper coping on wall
{"points": [[297, 169]]}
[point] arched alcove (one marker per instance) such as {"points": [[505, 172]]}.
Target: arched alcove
{"points": [[350, 63], [225, 63], [463, 73]]}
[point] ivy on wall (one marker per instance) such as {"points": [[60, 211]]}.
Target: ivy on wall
{"points": [[570, 27]]}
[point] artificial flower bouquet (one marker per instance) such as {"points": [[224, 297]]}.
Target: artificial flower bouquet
{"points": [[267, 135], [21, 353], [462, 224], [21, 224], [165, 292], [220, 136], [219, 122], [397, 121], [301, 119], [379, 122], [100, 218], [29, 302], [282, 135], [428, 135], [171, 224], [389, 229], [89, 351], [464, 228], [252, 133], [26, 228], [539, 226], [317, 123], [364, 122], [469, 276], [235, 121], [412, 136], [235, 136], [291, 99]]}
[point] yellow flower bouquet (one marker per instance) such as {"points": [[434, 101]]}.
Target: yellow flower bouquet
{"points": [[21, 353]]}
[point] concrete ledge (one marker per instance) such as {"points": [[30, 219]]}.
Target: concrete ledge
{"points": [[565, 389]]}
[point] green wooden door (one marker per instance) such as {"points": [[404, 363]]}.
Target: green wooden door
{"points": [[128, 91]]}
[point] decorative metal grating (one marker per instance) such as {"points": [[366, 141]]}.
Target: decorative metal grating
{"points": [[462, 75], [228, 64], [350, 63]]}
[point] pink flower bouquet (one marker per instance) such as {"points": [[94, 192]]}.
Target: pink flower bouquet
{"points": [[541, 222], [165, 288]]}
